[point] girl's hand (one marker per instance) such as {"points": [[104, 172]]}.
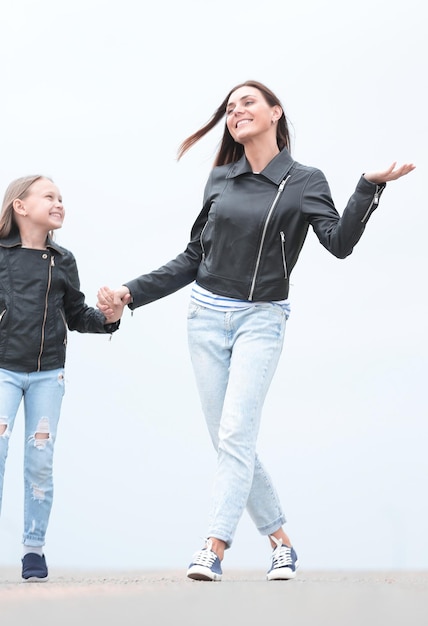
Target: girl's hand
{"points": [[390, 174], [111, 303]]}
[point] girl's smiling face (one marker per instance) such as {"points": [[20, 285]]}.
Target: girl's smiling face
{"points": [[42, 206]]}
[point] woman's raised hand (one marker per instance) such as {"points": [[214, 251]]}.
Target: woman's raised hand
{"points": [[392, 173]]}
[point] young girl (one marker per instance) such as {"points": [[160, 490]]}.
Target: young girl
{"points": [[39, 298]]}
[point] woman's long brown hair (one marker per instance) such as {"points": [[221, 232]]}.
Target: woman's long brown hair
{"points": [[230, 151]]}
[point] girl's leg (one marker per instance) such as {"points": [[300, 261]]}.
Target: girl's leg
{"points": [[10, 397], [42, 400]]}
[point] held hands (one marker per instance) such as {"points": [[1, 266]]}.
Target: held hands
{"points": [[390, 174], [111, 303]]}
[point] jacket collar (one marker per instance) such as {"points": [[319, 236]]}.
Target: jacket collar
{"points": [[14, 241], [274, 171]]}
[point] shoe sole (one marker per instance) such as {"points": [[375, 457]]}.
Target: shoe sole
{"points": [[281, 576], [35, 579], [200, 573]]}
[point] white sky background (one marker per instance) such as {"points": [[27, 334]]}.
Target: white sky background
{"points": [[98, 95]]}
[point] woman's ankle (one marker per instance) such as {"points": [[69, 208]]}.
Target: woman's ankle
{"points": [[218, 546]]}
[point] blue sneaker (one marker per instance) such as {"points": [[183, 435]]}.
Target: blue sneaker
{"points": [[205, 565], [34, 568], [284, 562]]}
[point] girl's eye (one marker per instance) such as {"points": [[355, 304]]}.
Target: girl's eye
{"points": [[249, 102]]}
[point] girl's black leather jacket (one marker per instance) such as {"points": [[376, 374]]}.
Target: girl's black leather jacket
{"points": [[39, 298], [249, 234]]}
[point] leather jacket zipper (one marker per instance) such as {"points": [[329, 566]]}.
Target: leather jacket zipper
{"points": [[45, 314], [201, 242], [373, 203], [65, 327], [267, 220], [284, 260]]}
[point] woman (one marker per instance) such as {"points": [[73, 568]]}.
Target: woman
{"points": [[258, 205]]}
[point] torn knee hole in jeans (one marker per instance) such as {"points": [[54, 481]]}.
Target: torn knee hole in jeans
{"points": [[38, 493], [42, 434], [3, 425]]}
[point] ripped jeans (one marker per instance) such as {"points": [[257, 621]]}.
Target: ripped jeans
{"points": [[42, 393]]}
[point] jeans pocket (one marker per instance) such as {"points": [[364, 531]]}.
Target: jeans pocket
{"points": [[193, 310]]}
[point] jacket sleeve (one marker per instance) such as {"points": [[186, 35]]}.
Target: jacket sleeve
{"points": [[79, 316], [175, 274], [339, 234]]}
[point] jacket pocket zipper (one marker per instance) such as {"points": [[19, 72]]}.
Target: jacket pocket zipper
{"points": [[200, 240], [65, 327], [284, 260]]}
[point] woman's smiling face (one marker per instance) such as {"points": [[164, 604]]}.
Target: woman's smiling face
{"points": [[249, 116]]}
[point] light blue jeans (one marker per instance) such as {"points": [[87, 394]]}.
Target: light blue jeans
{"points": [[42, 393], [234, 357]]}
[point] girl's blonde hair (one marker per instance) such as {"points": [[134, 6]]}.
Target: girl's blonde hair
{"points": [[18, 189]]}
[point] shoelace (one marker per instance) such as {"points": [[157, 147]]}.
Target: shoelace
{"points": [[205, 557], [281, 557]]}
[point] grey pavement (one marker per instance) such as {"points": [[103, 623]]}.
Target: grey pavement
{"points": [[155, 598]]}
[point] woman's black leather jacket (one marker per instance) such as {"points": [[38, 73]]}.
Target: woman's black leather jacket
{"points": [[248, 236], [39, 298]]}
